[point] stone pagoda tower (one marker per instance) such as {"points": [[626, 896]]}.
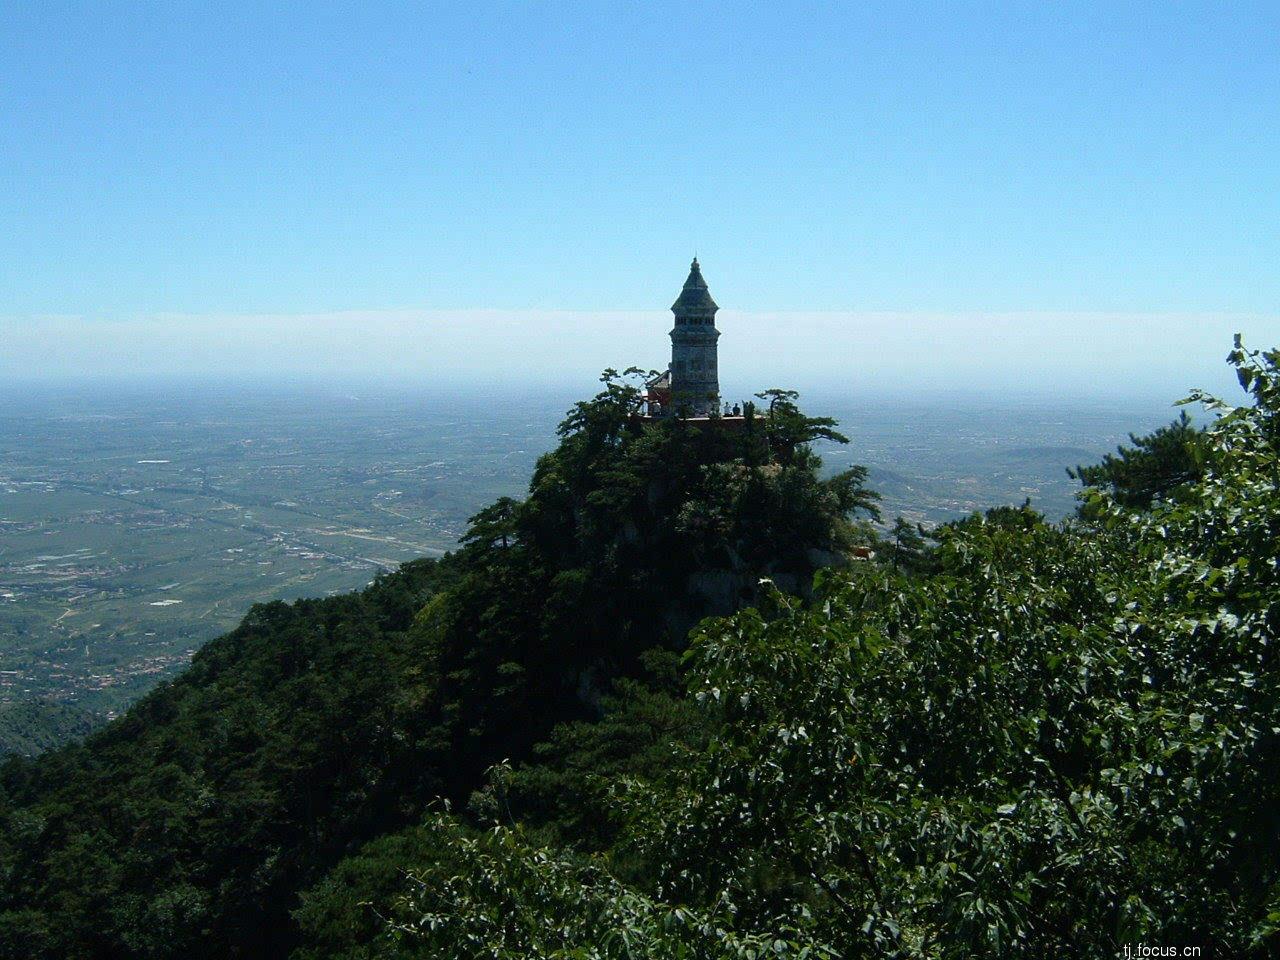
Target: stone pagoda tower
{"points": [[695, 380]]}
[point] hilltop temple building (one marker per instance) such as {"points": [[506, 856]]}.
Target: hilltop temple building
{"points": [[690, 387]]}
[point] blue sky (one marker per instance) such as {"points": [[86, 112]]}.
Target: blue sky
{"points": [[930, 160]]}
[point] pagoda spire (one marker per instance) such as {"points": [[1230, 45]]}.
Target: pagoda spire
{"points": [[695, 298]]}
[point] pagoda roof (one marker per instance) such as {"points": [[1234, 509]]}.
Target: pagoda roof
{"points": [[695, 297]]}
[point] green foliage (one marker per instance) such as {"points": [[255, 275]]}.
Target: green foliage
{"points": [[1156, 466], [907, 548], [1062, 742], [504, 898], [29, 727], [563, 794], [339, 917], [788, 428]]}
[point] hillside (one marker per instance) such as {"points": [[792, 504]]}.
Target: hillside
{"points": [[190, 826], [29, 727], [1011, 738]]}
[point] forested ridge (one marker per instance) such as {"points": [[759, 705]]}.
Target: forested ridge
{"points": [[189, 826], [662, 707]]}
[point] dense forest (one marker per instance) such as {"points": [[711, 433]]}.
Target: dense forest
{"points": [[684, 701], [29, 727]]}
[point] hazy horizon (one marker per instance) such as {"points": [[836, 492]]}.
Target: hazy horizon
{"points": [[1092, 356]]}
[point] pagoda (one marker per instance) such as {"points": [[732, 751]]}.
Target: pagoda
{"points": [[690, 386]]}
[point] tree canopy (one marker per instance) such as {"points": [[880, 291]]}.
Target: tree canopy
{"points": [[1158, 464]]}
